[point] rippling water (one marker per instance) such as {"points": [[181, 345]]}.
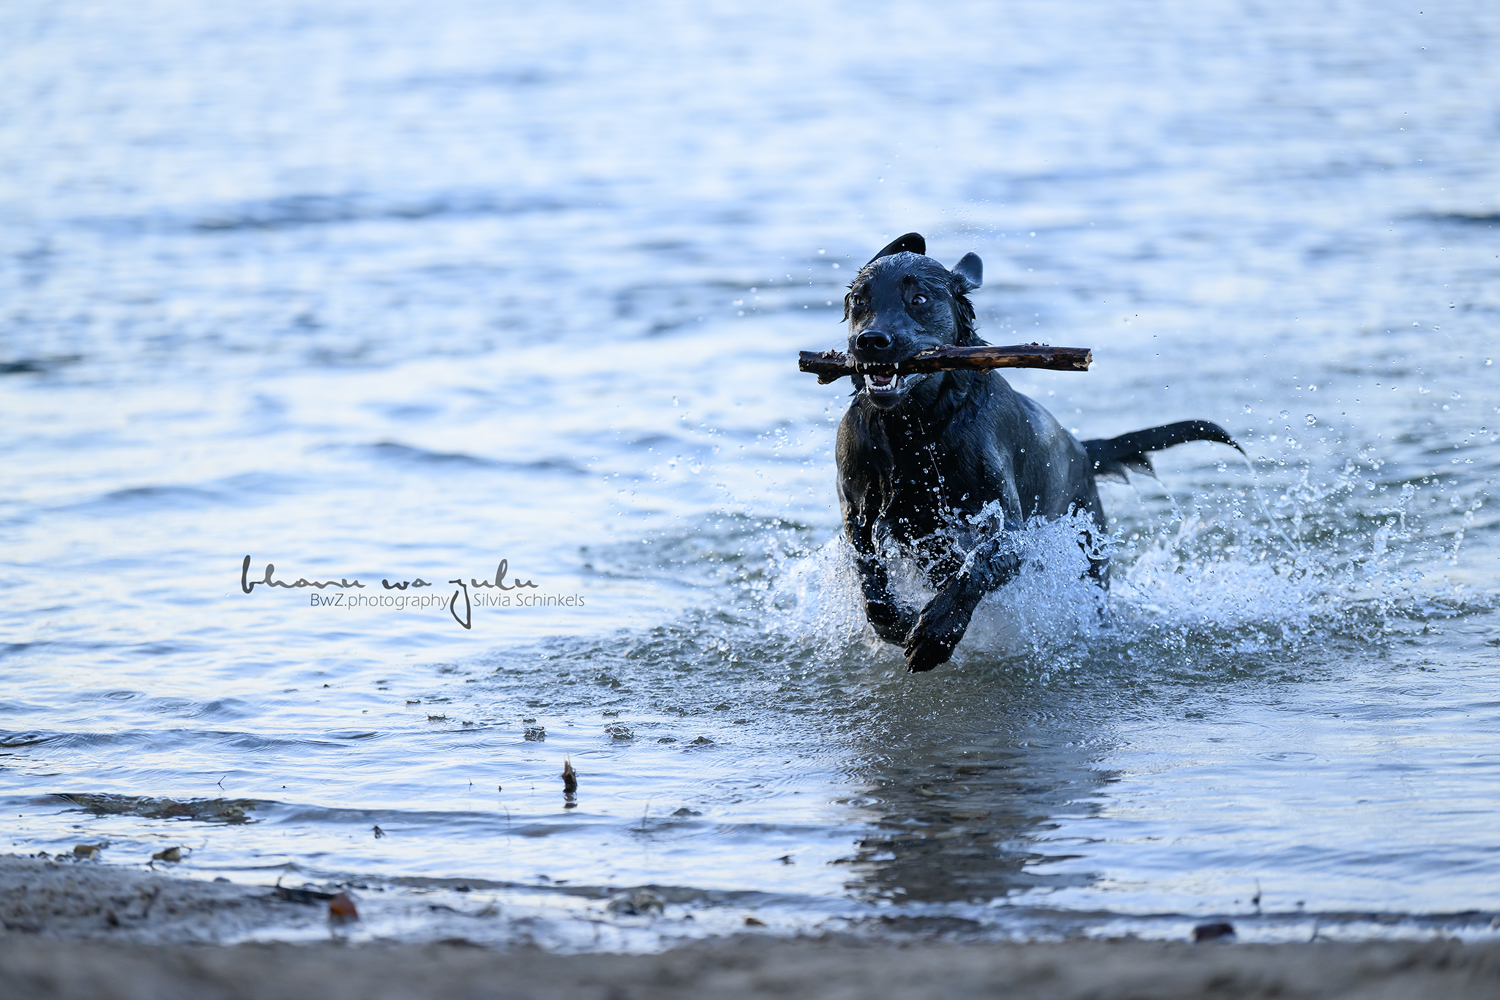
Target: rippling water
{"points": [[386, 291]]}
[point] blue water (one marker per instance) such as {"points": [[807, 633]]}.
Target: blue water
{"points": [[399, 291]]}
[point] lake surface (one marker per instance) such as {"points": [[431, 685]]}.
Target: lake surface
{"points": [[403, 292]]}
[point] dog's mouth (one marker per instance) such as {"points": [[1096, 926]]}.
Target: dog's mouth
{"points": [[886, 391]]}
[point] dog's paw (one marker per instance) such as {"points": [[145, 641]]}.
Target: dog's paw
{"points": [[938, 630], [891, 622]]}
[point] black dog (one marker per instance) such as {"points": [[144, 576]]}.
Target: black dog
{"points": [[919, 456]]}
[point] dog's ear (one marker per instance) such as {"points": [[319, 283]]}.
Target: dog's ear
{"points": [[968, 273], [910, 243]]}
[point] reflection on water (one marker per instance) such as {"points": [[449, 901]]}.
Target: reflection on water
{"points": [[971, 821], [393, 291]]}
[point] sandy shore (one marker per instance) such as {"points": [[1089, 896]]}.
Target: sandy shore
{"points": [[88, 930]]}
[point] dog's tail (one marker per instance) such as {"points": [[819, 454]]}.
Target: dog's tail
{"points": [[1112, 457]]}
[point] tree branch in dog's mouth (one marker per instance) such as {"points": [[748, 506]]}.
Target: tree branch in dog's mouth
{"points": [[831, 365]]}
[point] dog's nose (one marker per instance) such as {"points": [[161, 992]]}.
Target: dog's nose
{"points": [[872, 340]]}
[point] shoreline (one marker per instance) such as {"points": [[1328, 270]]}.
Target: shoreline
{"points": [[81, 929]]}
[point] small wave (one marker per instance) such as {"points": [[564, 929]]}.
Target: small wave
{"points": [[37, 366], [1486, 219], [186, 708], [530, 76], [246, 489], [231, 811], [15, 741], [393, 451], [170, 496], [300, 211]]}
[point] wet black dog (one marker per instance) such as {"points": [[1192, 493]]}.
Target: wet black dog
{"points": [[921, 456]]}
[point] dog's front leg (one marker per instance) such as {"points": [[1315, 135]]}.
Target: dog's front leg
{"points": [[946, 617], [891, 619]]}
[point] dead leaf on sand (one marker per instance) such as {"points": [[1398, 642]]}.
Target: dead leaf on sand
{"points": [[341, 907]]}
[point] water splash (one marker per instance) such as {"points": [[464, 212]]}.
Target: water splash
{"points": [[1316, 563]]}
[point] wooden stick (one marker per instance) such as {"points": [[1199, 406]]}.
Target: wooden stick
{"points": [[832, 365]]}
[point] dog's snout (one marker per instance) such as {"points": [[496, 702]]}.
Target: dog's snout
{"points": [[873, 340]]}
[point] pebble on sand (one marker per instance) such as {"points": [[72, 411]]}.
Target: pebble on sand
{"points": [[1213, 932]]}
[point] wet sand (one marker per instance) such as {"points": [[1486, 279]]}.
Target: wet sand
{"points": [[88, 930]]}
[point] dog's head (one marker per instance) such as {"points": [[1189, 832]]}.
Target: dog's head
{"points": [[903, 302]]}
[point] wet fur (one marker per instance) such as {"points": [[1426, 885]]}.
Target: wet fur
{"points": [[917, 466]]}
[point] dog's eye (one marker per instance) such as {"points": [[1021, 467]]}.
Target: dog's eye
{"points": [[918, 300], [858, 301]]}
